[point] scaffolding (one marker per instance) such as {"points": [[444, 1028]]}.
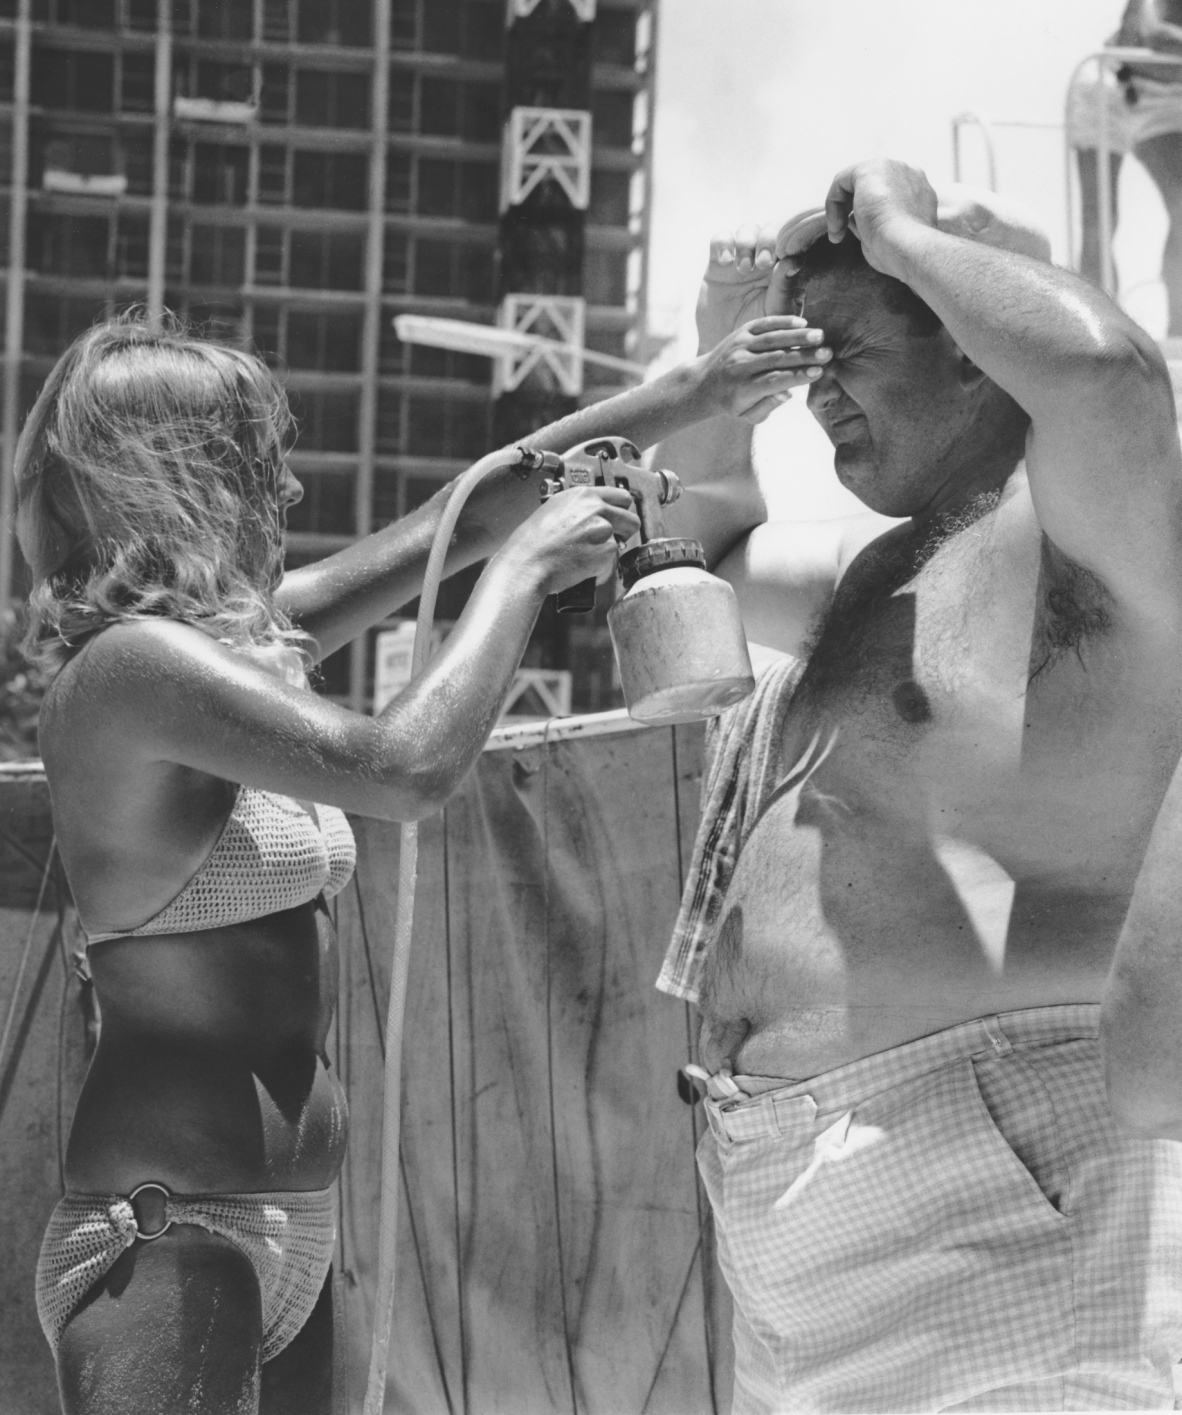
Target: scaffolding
{"points": [[290, 175]]}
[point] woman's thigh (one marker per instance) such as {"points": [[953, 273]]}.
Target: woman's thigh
{"points": [[300, 1380], [176, 1325]]}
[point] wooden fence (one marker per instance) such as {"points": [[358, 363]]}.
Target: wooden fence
{"points": [[555, 1245]]}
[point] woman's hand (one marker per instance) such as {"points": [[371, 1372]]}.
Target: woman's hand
{"points": [[573, 536], [752, 371]]}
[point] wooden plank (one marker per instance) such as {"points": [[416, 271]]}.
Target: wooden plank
{"points": [[41, 1072], [549, 1237]]}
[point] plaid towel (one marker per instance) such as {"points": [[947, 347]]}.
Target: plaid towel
{"points": [[743, 759]]}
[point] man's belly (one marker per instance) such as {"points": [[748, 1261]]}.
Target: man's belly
{"points": [[846, 930]]}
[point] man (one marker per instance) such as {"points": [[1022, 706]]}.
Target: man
{"points": [[921, 835]]}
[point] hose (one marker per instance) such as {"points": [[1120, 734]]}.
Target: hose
{"points": [[408, 858]]}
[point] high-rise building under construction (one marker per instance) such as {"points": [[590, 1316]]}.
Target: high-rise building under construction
{"points": [[292, 174]]}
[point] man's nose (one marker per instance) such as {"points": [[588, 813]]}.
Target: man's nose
{"points": [[824, 391]]}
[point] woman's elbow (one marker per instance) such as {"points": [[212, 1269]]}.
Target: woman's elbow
{"points": [[416, 790]]}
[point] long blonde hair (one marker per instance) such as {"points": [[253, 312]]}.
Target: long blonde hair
{"points": [[147, 479]]}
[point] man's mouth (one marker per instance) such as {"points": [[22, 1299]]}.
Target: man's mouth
{"points": [[835, 424]]}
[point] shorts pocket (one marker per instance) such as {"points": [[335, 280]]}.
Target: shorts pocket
{"points": [[1018, 1110]]}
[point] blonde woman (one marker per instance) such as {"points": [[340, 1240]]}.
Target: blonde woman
{"points": [[186, 1267]]}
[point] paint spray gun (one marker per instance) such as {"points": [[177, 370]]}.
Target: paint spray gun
{"points": [[676, 631]]}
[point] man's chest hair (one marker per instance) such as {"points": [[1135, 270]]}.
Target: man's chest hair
{"points": [[984, 596]]}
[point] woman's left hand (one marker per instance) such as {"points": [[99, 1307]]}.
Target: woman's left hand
{"points": [[751, 372]]}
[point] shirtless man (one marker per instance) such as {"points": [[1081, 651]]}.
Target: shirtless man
{"points": [[920, 838]]}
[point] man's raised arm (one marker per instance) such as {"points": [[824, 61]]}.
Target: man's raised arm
{"points": [[1103, 456]]}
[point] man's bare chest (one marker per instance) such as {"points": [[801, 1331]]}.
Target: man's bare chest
{"points": [[978, 684]]}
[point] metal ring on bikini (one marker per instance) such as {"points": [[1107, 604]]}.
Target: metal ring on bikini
{"points": [[131, 1198]]}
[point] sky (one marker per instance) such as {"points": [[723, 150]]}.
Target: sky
{"points": [[760, 102]]}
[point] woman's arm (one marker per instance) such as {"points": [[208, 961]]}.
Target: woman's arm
{"points": [[339, 597], [160, 692]]}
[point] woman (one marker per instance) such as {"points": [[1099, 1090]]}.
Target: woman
{"points": [[186, 1268]]}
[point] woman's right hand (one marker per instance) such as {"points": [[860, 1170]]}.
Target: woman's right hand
{"points": [[572, 537]]}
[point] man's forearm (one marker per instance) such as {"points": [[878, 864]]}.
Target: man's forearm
{"points": [[1033, 328]]}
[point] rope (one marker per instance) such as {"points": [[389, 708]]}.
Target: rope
{"points": [[681, 1296], [60, 1098], [455, 1144], [25, 953], [410, 1210], [570, 1357], [375, 1390]]}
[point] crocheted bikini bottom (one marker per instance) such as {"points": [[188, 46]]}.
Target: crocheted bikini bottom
{"points": [[288, 1238]]}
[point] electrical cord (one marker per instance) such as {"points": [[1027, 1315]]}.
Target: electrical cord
{"points": [[523, 461]]}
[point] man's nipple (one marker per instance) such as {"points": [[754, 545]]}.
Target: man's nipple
{"points": [[911, 702]]}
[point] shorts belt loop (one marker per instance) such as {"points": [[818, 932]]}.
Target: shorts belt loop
{"points": [[1001, 1044], [767, 1111], [715, 1122]]}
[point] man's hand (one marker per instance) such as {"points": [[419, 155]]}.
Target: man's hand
{"points": [[738, 285], [872, 199], [961, 211]]}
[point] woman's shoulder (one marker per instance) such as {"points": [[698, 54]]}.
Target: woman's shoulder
{"points": [[121, 654], [117, 670]]}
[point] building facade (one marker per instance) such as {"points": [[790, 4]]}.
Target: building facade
{"points": [[292, 174]]}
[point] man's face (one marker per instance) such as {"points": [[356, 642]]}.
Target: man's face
{"points": [[892, 402]]}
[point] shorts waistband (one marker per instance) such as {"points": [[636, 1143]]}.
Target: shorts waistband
{"points": [[797, 1104]]}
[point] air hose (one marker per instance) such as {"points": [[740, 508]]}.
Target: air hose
{"points": [[523, 461]]}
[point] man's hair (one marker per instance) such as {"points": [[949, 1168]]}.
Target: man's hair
{"points": [[825, 257], [147, 481]]}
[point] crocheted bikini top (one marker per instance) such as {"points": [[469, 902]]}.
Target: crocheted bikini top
{"points": [[272, 854]]}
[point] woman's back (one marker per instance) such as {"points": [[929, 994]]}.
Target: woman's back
{"points": [[211, 1050]]}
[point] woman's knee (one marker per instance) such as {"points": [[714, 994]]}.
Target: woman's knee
{"points": [[171, 1318]]}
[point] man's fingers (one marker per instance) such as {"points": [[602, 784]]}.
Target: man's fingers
{"points": [[799, 233], [722, 248], [765, 248], [839, 202], [746, 240]]}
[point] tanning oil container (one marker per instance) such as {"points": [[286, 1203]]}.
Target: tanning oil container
{"points": [[677, 635]]}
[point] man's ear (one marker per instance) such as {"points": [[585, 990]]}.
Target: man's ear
{"points": [[968, 375], [971, 376]]}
